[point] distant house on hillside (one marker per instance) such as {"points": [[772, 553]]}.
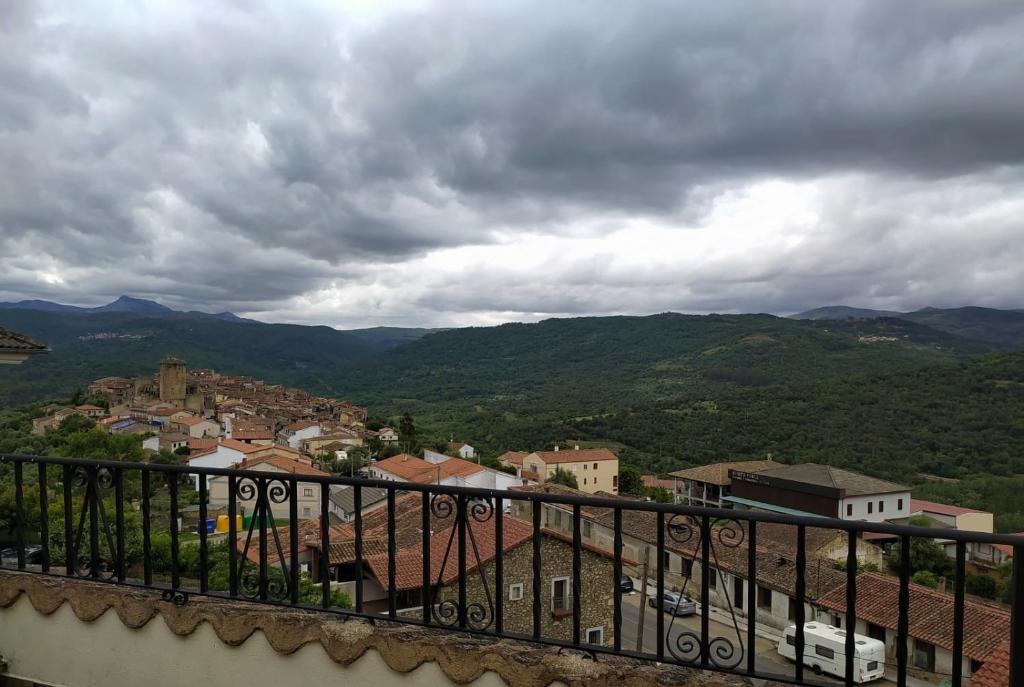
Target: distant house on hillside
{"points": [[387, 434], [16, 348], [464, 450], [596, 469]]}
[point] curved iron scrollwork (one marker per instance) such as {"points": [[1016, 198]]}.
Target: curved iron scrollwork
{"points": [[476, 615], [688, 646], [257, 581]]}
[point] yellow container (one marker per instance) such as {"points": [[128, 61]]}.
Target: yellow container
{"points": [[222, 523]]}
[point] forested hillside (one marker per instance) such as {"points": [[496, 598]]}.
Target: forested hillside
{"points": [[87, 346]]}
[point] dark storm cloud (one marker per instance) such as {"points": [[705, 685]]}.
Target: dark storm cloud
{"points": [[245, 156]]}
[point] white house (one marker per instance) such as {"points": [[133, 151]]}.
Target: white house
{"points": [[464, 450], [387, 434], [294, 434]]}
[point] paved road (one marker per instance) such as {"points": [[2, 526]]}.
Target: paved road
{"points": [[767, 661]]}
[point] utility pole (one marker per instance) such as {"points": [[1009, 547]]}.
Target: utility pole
{"points": [[643, 601]]}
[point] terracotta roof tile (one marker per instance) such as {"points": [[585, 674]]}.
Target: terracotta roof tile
{"points": [[931, 613]]}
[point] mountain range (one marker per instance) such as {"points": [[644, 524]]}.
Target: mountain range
{"points": [[124, 304], [934, 391]]}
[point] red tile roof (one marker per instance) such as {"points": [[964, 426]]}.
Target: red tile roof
{"points": [[409, 561], [931, 614], [996, 671], [917, 505], [514, 457], [281, 463], [413, 469], [654, 482]]}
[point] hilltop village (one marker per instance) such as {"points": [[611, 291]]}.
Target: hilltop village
{"points": [[214, 420]]}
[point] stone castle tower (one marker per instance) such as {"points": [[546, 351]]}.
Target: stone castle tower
{"points": [[172, 380]]}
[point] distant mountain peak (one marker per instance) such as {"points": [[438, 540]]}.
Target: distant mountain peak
{"points": [[129, 304]]}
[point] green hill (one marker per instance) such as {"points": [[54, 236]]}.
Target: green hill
{"points": [[87, 346], [599, 364]]}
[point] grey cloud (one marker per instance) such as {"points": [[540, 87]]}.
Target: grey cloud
{"points": [[303, 152]]}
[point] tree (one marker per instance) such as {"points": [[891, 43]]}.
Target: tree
{"points": [[407, 428], [629, 480], [981, 585], [565, 478], [925, 578]]}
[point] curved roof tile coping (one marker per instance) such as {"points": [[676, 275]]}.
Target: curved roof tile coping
{"points": [[463, 658]]}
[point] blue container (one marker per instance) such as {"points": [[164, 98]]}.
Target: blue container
{"points": [[211, 525]]}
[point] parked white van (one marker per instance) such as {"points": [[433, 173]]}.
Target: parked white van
{"points": [[825, 652]]}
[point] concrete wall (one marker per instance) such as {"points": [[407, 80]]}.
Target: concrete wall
{"points": [[883, 507], [107, 653]]}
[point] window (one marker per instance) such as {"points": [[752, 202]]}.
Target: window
{"points": [[712, 578], [849, 510], [837, 620], [595, 635], [586, 528], [871, 506], [615, 481], [876, 632], [687, 567], [306, 512], [307, 492], [881, 506], [899, 504], [666, 560], [924, 655], [584, 480], [515, 591], [584, 466], [824, 652], [560, 594], [764, 598], [595, 466], [792, 609]]}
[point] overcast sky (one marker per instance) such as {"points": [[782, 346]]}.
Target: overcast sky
{"points": [[453, 163]]}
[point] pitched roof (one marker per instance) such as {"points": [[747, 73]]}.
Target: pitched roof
{"points": [[585, 455], [931, 613], [514, 457], [919, 505], [655, 482], [87, 407], [345, 497], [852, 483], [413, 469], [718, 473], [254, 434], [301, 424], [996, 671], [444, 564], [281, 463], [12, 341], [193, 421]]}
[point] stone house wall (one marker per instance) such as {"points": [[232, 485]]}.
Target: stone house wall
{"points": [[596, 594]]}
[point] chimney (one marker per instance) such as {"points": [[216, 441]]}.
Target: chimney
{"points": [[577, 447], [556, 447]]}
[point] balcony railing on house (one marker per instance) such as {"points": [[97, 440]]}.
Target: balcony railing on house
{"points": [[456, 559]]}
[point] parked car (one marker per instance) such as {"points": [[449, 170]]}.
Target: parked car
{"points": [[626, 584], [674, 603], [33, 555]]}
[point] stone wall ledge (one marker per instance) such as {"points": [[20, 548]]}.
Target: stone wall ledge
{"points": [[463, 658]]}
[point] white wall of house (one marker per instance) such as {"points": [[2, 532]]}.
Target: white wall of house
{"points": [[223, 457], [434, 457], [295, 440], [943, 657], [875, 507]]}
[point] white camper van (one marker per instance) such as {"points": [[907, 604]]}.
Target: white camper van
{"points": [[825, 652]]}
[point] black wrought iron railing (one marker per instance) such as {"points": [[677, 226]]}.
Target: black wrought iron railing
{"points": [[516, 564]]}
